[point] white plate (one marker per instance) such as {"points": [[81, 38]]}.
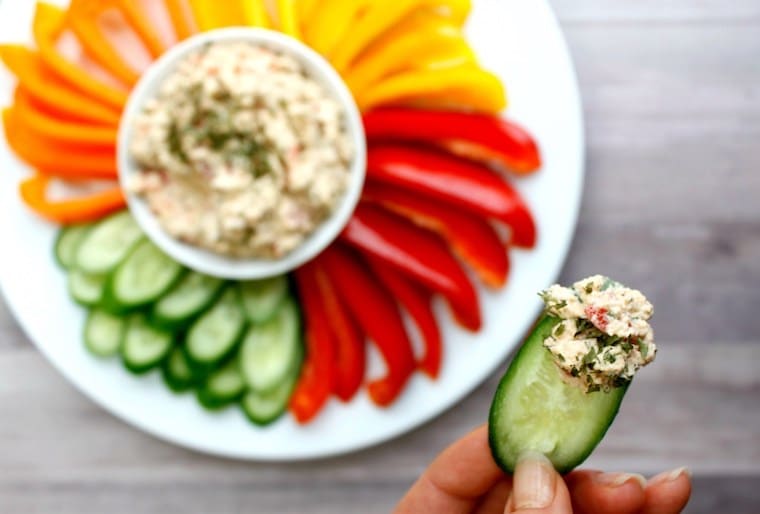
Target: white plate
{"points": [[518, 39]]}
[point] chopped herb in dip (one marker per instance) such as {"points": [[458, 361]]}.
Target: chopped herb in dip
{"points": [[242, 152], [603, 334]]}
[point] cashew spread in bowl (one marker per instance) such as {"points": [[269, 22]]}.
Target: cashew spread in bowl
{"points": [[241, 152]]}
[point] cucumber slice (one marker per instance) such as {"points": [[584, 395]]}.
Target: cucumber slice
{"points": [[262, 298], [103, 333], [534, 409], [215, 335], [272, 350], [107, 244], [144, 276], [144, 347], [177, 373], [67, 244], [86, 289], [192, 295], [223, 387], [265, 408]]}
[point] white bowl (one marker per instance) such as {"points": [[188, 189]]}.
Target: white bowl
{"points": [[206, 261]]}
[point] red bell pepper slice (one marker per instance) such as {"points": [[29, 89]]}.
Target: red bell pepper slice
{"points": [[417, 302], [480, 137], [471, 237], [469, 185], [418, 253], [376, 312], [317, 374], [350, 361]]}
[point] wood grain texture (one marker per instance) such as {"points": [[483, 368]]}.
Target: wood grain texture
{"points": [[62, 453], [671, 95]]}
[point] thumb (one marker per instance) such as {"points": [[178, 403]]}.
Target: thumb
{"points": [[537, 488]]}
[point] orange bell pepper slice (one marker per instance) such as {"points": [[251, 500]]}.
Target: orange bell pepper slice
{"points": [[81, 209], [54, 158], [48, 23], [56, 95], [81, 18], [181, 18], [65, 132], [462, 87], [142, 26]]}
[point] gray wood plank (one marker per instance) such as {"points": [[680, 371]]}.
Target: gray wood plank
{"points": [[685, 381], [671, 196], [657, 11], [734, 494], [704, 280], [62, 453], [11, 337]]}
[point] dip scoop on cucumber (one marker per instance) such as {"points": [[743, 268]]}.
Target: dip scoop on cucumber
{"points": [[565, 385]]}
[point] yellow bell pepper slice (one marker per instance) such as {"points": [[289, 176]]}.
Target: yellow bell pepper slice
{"points": [[381, 15], [456, 10], [215, 14], [255, 12], [180, 17], [47, 26], [328, 26], [307, 8], [462, 87], [286, 11], [440, 48]]}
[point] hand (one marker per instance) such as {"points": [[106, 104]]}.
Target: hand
{"points": [[464, 479]]}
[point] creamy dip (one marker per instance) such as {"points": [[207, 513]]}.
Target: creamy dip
{"points": [[241, 151], [603, 335]]}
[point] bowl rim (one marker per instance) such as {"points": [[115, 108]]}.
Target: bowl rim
{"points": [[206, 261]]}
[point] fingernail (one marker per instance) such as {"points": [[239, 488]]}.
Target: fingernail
{"points": [[671, 476], [534, 482], [618, 479]]}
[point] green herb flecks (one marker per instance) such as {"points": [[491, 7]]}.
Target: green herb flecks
{"points": [[174, 141], [212, 124]]}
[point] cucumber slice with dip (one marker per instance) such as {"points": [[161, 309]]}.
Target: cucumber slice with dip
{"points": [[565, 385]]}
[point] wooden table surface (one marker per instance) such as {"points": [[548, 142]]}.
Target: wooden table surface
{"points": [[672, 102]]}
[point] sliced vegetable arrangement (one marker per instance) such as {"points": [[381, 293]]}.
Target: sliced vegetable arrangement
{"points": [[229, 342], [439, 209]]}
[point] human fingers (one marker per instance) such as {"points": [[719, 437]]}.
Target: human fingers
{"points": [[668, 493], [537, 488], [457, 478], [594, 492], [494, 500]]}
